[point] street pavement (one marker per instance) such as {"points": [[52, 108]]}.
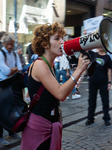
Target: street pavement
{"points": [[75, 134]]}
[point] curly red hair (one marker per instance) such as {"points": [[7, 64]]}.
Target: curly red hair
{"points": [[42, 36]]}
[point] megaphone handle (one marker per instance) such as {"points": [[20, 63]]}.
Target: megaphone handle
{"points": [[85, 53], [91, 66]]}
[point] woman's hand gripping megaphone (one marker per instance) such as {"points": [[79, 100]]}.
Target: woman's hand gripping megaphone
{"points": [[83, 62], [91, 66]]}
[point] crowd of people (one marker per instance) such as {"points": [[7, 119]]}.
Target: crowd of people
{"points": [[64, 67], [60, 76], [63, 71]]}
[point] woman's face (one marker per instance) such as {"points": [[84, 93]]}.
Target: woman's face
{"points": [[56, 41]]}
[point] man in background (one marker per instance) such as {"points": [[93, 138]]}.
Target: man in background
{"points": [[10, 64], [29, 52]]}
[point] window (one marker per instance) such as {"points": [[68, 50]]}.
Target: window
{"points": [[107, 13]]}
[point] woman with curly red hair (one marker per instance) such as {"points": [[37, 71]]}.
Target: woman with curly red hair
{"points": [[44, 127]]}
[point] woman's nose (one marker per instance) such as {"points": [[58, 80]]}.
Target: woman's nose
{"points": [[62, 41]]}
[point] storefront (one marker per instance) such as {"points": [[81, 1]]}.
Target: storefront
{"points": [[31, 14], [76, 12]]}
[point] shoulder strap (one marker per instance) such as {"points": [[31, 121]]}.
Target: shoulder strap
{"points": [[36, 97], [32, 64], [15, 58], [46, 62], [4, 54], [42, 57]]}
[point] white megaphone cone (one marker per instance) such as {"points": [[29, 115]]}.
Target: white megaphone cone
{"points": [[101, 38]]}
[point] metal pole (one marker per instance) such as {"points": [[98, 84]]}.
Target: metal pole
{"points": [[15, 23]]}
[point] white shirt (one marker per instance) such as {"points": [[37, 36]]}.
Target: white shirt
{"points": [[57, 59], [64, 63], [10, 63]]}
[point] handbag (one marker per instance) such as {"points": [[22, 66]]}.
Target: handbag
{"points": [[14, 111]]}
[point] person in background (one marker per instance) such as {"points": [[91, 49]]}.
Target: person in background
{"points": [[79, 83], [22, 59], [29, 52], [33, 57], [73, 61], [27, 97], [65, 71], [8, 67], [110, 58], [20, 53], [99, 80], [57, 68], [44, 127]]}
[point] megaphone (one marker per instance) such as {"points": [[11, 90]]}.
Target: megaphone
{"points": [[101, 38]]}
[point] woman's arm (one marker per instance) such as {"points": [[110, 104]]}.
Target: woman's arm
{"points": [[42, 74]]}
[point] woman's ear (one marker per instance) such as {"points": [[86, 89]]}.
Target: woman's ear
{"points": [[47, 46]]}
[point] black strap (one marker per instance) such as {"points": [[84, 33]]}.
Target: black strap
{"points": [[32, 65], [15, 58], [6, 56], [30, 68]]}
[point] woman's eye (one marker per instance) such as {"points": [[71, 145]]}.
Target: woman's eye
{"points": [[56, 38]]}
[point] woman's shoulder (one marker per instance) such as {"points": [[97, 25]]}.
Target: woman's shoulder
{"points": [[40, 65]]}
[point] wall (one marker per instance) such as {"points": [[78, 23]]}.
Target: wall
{"points": [[2, 15], [76, 20], [79, 12], [59, 11], [101, 5]]}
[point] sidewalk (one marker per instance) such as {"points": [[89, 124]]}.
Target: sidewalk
{"points": [[76, 110], [94, 137], [76, 135]]}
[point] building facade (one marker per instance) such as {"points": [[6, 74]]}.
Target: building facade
{"points": [[69, 13], [3, 15]]}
